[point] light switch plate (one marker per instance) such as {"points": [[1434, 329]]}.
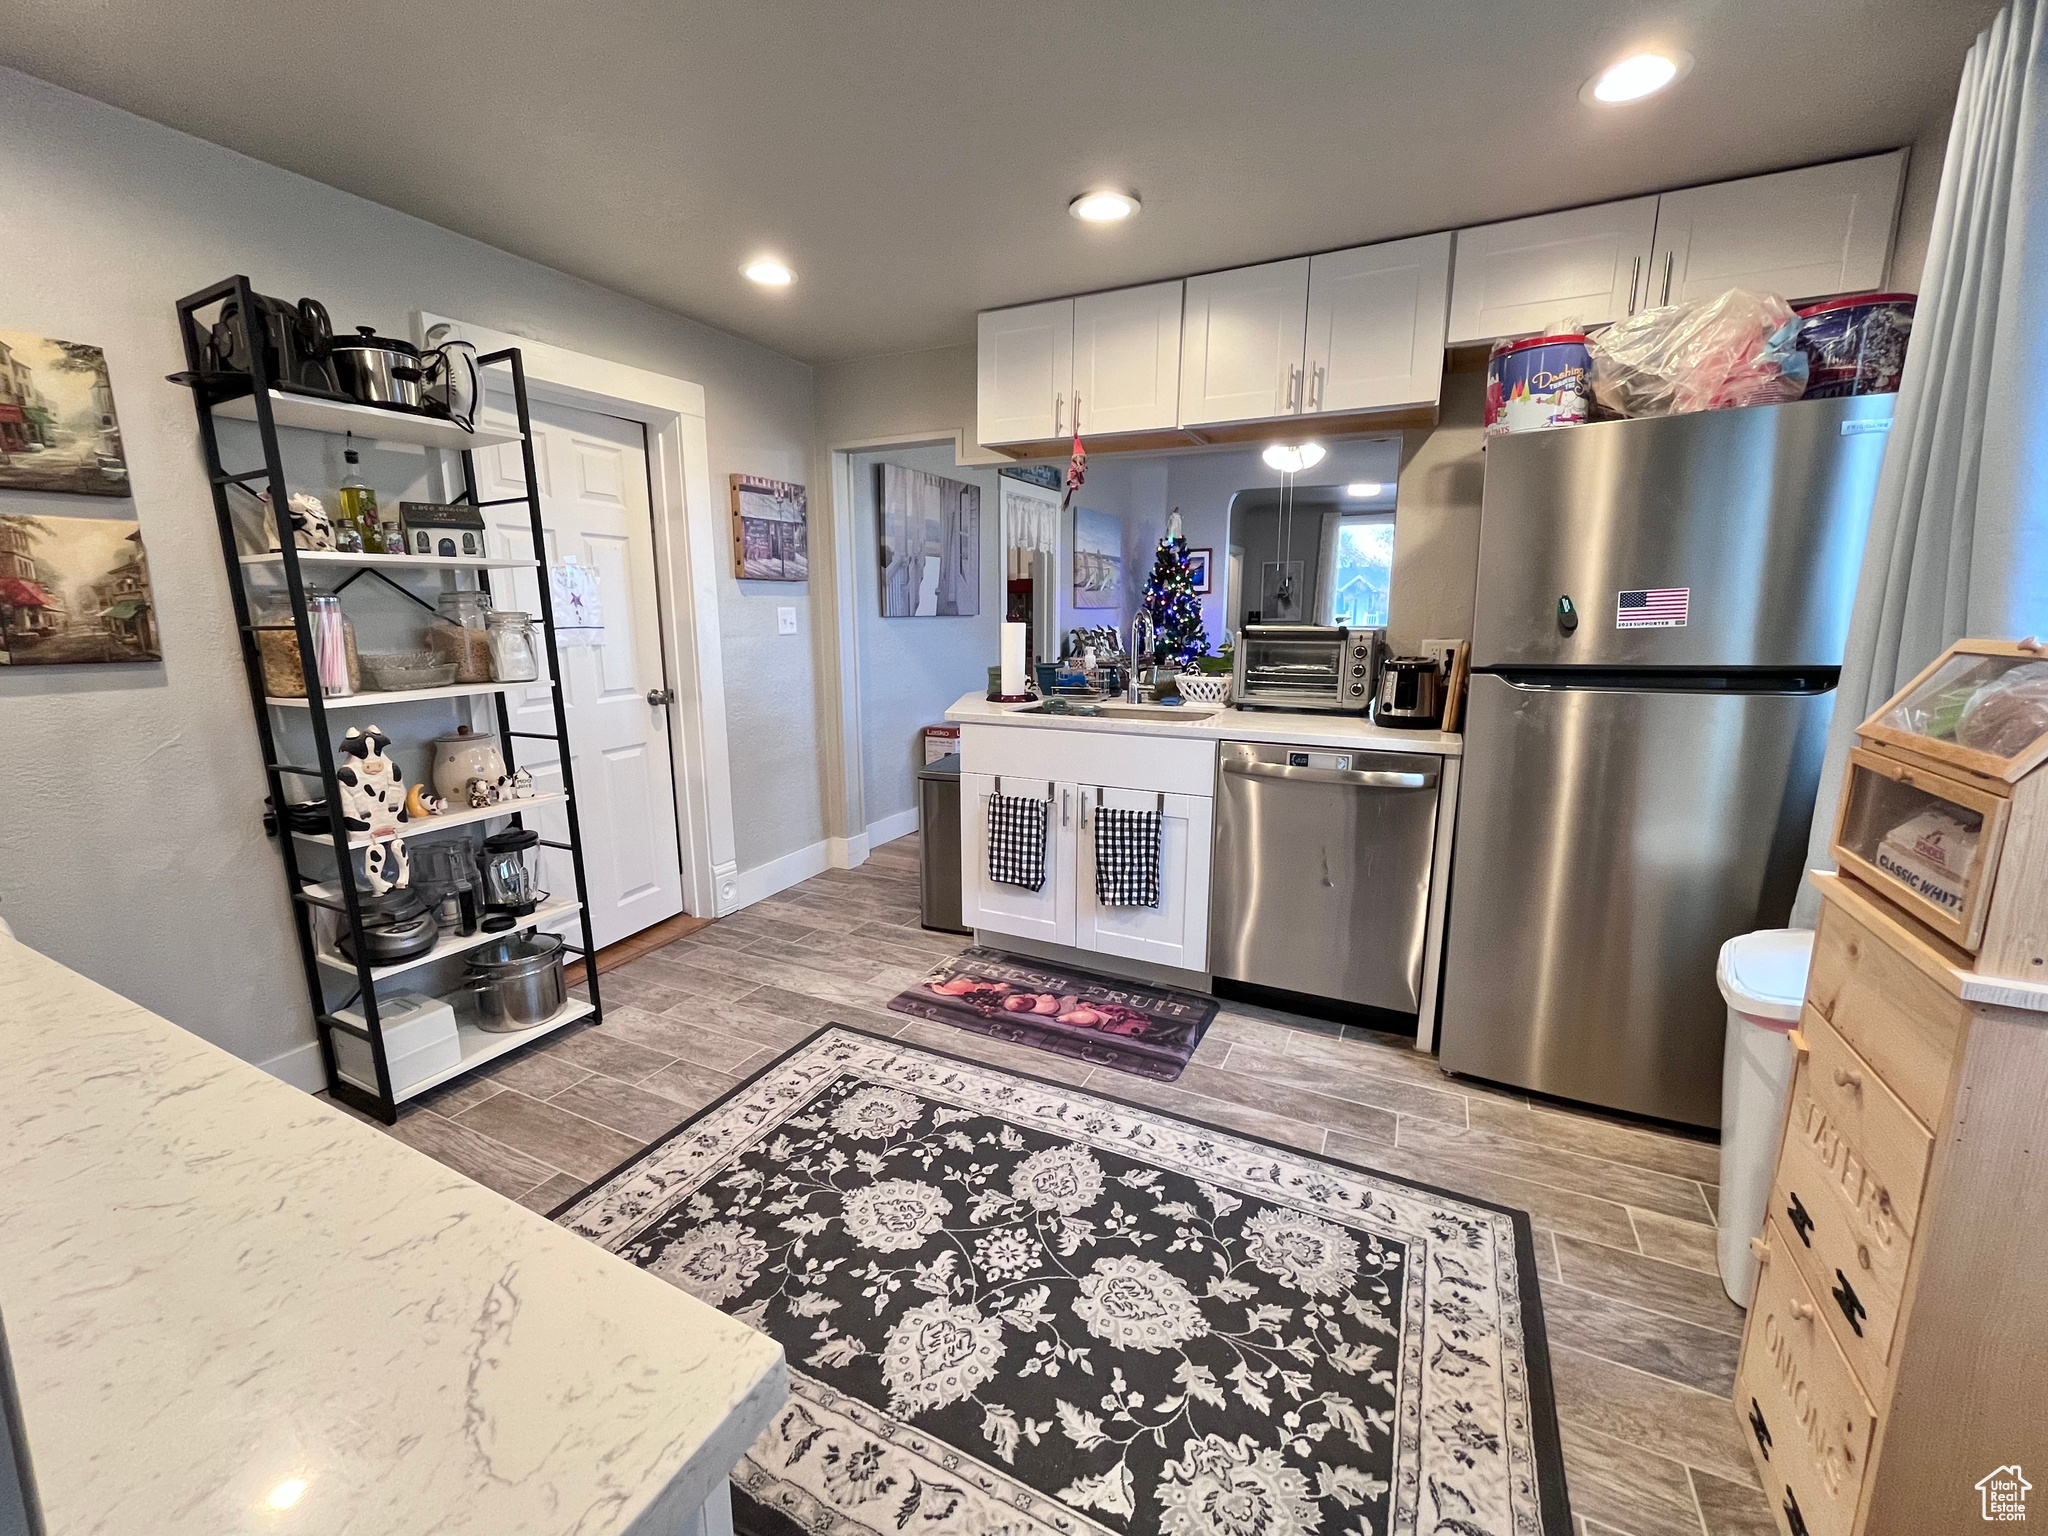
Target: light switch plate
{"points": [[785, 621]]}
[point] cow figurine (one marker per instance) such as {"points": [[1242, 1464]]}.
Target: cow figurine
{"points": [[373, 801]]}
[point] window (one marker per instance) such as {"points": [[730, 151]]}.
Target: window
{"points": [[1365, 563]]}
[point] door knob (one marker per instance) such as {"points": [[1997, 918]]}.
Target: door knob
{"points": [[662, 696]]}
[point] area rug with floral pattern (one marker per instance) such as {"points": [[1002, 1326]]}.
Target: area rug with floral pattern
{"points": [[1012, 1308]]}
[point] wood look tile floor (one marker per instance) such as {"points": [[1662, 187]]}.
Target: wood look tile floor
{"points": [[1643, 1341]]}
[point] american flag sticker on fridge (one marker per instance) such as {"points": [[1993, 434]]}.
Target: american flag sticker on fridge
{"points": [[1657, 608]]}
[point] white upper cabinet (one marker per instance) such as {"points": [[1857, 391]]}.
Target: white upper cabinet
{"points": [[1805, 234], [1376, 325], [1127, 359], [1024, 373], [1589, 265], [1241, 343]]}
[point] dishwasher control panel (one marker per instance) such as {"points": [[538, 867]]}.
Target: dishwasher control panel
{"points": [[1341, 761]]}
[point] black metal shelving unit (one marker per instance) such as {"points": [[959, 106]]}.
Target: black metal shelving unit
{"points": [[211, 390]]}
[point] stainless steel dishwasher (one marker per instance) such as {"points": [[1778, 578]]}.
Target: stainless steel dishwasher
{"points": [[1320, 883]]}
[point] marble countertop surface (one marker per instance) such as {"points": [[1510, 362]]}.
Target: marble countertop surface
{"points": [[235, 1309], [1305, 730]]}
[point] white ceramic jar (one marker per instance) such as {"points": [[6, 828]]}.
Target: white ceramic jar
{"points": [[461, 756]]}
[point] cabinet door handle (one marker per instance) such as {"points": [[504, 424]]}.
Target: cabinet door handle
{"points": [[1063, 807], [1635, 276], [1059, 412], [1293, 381], [1667, 279], [1315, 394]]}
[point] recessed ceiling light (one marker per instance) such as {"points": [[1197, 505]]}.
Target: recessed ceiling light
{"points": [[1637, 76], [1364, 490], [1293, 458], [287, 1493], [768, 272], [1103, 207]]}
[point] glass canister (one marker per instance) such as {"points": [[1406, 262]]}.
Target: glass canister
{"points": [[277, 647], [514, 658], [462, 635], [331, 637]]}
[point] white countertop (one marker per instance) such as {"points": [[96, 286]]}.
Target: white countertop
{"points": [[215, 1285], [1221, 725]]}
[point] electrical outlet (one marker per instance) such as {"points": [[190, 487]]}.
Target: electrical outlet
{"points": [[785, 621]]}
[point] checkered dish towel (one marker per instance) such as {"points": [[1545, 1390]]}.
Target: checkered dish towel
{"points": [[1016, 841], [1126, 857]]}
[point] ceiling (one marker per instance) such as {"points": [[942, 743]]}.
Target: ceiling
{"points": [[913, 161]]}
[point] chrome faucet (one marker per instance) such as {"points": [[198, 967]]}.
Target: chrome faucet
{"points": [[1144, 636]]}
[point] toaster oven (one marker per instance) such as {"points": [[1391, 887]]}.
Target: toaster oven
{"points": [[1307, 667]]}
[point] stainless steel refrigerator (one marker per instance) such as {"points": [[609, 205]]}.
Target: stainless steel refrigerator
{"points": [[1661, 611]]}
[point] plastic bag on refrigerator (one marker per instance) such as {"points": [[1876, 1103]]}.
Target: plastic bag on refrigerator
{"points": [[1736, 348]]}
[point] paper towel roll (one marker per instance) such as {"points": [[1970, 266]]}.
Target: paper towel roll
{"points": [[1013, 658]]}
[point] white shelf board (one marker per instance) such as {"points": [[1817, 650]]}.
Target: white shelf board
{"points": [[453, 944], [365, 421], [462, 818], [369, 699], [480, 1046], [391, 562]]}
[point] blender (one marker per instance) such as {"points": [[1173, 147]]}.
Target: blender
{"points": [[511, 875]]}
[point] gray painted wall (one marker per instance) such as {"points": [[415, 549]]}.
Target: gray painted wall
{"points": [[912, 669], [130, 847]]}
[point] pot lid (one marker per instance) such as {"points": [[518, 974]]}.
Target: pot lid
{"points": [[518, 949], [511, 840], [464, 735], [366, 339]]}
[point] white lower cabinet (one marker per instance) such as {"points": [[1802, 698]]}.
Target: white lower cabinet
{"points": [[1064, 910], [1176, 932]]}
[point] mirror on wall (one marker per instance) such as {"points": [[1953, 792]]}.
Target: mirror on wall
{"points": [[1311, 554]]}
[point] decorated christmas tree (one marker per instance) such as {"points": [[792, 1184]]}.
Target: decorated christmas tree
{"points": [[1170, 599]]}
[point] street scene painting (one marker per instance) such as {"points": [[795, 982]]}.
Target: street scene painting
{"points": [[58, 431], [771, 539], [931, 545], [74, 591]]}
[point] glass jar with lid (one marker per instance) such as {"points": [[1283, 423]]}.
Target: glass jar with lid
{"points": [[277, 645], [514, 656], [461, 636]]}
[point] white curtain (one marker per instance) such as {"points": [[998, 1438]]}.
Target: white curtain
{"points": [[1959, 533]]}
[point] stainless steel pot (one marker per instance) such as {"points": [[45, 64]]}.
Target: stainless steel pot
{"points": [[379, 370], [518, 982]]}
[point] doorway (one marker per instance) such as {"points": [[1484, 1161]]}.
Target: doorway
{"points": [[591, 471]]}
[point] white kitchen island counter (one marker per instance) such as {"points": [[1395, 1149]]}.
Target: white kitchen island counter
{"points": [[1302, 730], [233, 1308]]}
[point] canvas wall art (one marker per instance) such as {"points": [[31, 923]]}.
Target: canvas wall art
{"points": [[74, 591], [1198, 569], [1098, 559], [931, 545], [770, 531], [58, 431]]}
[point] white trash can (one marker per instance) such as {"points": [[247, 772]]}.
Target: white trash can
{"points": [[1763, 981]]}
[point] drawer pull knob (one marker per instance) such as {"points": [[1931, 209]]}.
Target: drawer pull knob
{"points": [[1802, 1311], [1863, 1254], [1761, 1249], [1849, 1077]]}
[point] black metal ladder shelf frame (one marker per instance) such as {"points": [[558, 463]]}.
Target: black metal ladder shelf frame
{"points": [[210, 389]]}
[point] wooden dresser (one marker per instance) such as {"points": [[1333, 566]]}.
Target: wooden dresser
{"points": [[1896, 1352]]}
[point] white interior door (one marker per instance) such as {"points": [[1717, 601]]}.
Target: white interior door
{"points": [[1376, 325], [1241, 343], [592, 471], [1176, 932], [1046, 914]]}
